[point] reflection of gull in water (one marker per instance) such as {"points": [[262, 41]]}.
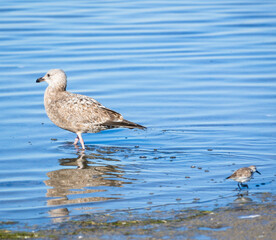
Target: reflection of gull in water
{"points": [[59, 214], [65, 182], [78, 113]]}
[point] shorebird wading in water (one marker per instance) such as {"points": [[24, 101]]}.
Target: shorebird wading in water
{"points": [[243, 175], [78, 113]]}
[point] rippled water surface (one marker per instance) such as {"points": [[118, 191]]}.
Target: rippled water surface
{"points": [[200, 75]]}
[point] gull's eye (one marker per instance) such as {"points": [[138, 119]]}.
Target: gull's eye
{"points": [[48, 75]]}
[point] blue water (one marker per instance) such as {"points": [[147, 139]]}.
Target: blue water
{"points": [[200, 75]]}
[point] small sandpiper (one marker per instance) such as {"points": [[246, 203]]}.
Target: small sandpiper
{"points": [[243, 175]]}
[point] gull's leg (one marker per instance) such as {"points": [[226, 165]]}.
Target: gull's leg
{"points": [[76, 140], [81, 140]]}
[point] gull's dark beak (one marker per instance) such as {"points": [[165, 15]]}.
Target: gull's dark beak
{"points": [[258, 172], [40, 80]]}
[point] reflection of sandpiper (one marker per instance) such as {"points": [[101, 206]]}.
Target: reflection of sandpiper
{"points": [[78, 113], [243, 175]]}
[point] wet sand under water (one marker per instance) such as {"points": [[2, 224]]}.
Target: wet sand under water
{"points": [[239, 220]]}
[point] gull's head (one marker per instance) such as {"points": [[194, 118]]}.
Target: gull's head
{"points": [[254, 169], [56, 78]]}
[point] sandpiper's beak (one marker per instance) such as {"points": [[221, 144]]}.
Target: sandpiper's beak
{"points": [[258, 172], [40, 80]]}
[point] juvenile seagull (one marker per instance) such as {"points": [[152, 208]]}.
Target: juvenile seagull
{"points": [[243, 175], [78, 113]]}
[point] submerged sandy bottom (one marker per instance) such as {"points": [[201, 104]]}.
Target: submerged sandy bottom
{"points": [[241, 220]]}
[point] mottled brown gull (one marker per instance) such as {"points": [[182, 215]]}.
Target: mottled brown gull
{"points": [[78, 113]]}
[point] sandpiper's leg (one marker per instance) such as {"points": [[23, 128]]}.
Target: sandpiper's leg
{"points": [[81, 140], [76, 140], [245, 185], [239, 185]]}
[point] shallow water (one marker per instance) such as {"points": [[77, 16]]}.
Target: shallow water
{"points": [[201, 76]]}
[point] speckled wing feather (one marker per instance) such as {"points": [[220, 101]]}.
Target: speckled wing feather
{"points": [[242, 172], [79, 113]]}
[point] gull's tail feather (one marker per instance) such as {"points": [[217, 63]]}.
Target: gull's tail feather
{"points": [[124, 124]]}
